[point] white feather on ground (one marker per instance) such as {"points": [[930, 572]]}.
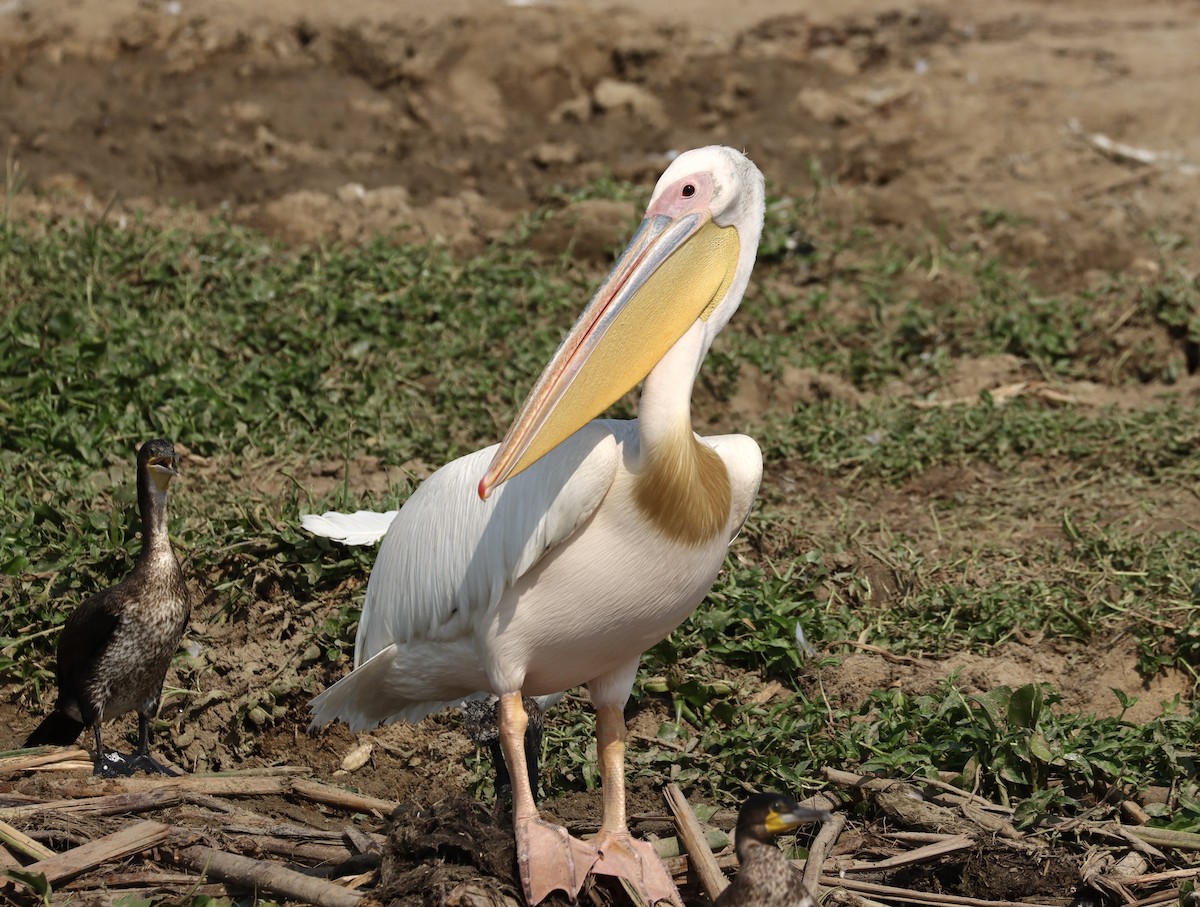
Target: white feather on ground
{"points": [[363, 527]]}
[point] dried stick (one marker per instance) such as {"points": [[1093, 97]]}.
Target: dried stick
{"points": [[917, 813], [962, 796], [227, 785], [94, 799], [18, 840], [863, 782], [301, 851], [11, 765], [72, 767], [671, 846], [296, 832], [821, 846], [114, 804], [343, 799], [916, 837], [886, 654], [996, 825], [1164, 837], [260, 771], [917, 855], [258, 875], [914, 897], [840, 897], [1119, 151], [101, 893], [131, 879], [78, 860], [1168, 896], [1167, 875], [692, 834], [217, 805], [313, 860]]}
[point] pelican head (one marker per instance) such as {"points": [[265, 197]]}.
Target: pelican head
{"points": [[688, 262]]}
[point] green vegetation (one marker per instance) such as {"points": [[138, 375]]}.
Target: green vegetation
{"points": [[1078, 525]]}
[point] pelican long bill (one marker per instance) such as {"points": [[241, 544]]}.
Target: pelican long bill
{"points": [[635, 317]]}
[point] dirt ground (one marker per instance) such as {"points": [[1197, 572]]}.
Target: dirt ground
{"points": [[452, 120]]}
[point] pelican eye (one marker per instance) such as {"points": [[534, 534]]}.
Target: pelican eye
{"points": [[689, 190]]}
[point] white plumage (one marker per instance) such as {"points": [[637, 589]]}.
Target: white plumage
{"points": [[594, 539], [472, 607], [363, 527]]}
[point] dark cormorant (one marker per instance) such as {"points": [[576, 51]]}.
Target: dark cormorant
{"points": [[115, 648], [482, 724], [765, 877]]}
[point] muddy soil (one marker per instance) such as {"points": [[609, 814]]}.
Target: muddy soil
{"points": [[452, 121]]}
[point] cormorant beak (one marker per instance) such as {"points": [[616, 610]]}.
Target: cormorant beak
{"points": [[168, 466], [675, 271], [793, 817]]}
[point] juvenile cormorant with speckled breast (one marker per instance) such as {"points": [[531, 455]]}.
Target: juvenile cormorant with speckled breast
{"points": [[765, 877], [115, 648]]}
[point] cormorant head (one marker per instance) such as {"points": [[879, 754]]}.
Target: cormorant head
{"points": [[763, 816], [157, 459]]}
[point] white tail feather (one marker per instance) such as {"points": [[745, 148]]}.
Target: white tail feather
{"points": [[363, 527], [354, 699]]}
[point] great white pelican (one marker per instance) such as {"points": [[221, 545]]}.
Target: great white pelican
{"points": [[560, 555]]}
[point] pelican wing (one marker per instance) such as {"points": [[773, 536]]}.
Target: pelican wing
{"points": [[448, 557], [363, 527]]}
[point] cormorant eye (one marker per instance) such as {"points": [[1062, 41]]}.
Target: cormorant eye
{"points": [[689, 190]]}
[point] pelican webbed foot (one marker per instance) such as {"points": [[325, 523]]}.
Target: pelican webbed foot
{"points": [[637, 863], [549, 859]]}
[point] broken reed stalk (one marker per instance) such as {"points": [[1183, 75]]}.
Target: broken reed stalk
{"points": [[78, 860], [343, 799], [865, 782], [672, 846], [18, 840], [692, 835], [33, 760], [141, 799], [1167, 875], [1164, 837], [913, 897], [1170, 896], [821, 846], [114, 804], [330, 856], [260, 876], [139, 879], [918, 855], [212, 785]]}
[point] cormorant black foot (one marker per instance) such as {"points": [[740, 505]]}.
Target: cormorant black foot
{"points": [[143, 762], [112, 764]]}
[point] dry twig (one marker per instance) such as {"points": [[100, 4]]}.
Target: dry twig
{"points": [[78, 860], [705, 865], [259, 875]]}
